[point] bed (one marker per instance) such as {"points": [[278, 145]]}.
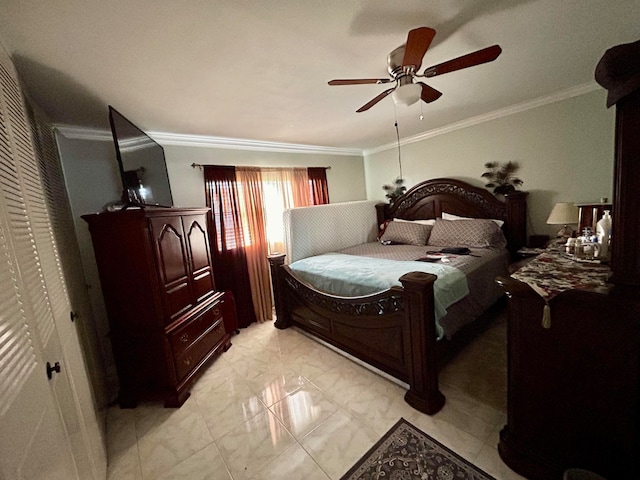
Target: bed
{"points": [[396, 330]]}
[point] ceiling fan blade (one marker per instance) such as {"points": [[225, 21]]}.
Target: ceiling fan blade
{"points": [[418, 41], [429, 94], [375, 100], [469, 60], [359, 81]]}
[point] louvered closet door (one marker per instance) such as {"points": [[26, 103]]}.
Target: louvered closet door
{"points": [[79, 402], [33, 438]]}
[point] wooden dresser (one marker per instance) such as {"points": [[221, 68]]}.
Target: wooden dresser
{"points": [[573, 396], [166, 318]]}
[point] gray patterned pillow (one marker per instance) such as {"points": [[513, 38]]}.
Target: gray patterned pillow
{"points": [[476, 233], [407, 233]]}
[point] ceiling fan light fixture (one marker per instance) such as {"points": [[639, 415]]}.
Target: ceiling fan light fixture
{"points": [[407, 94]]}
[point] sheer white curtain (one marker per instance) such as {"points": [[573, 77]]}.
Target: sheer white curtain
{"points": [[282, 188]]}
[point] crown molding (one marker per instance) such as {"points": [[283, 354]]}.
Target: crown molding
{"points": [[94, 134], [82, 133], [246, 144], [496, 114]]}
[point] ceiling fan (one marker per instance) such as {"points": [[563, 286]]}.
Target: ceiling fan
{"points": [[404, 63]]}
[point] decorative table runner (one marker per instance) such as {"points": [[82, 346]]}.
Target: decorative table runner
{"points": [[552, 272]]}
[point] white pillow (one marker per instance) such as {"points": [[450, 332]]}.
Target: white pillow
{"points": [[450, 216], [420, 222]]}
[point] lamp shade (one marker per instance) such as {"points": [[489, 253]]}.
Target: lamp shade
{"points": [[407, 94], [563, 214]]}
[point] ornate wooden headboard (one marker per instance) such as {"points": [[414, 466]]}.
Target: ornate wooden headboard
{"points": [[430, 198]]}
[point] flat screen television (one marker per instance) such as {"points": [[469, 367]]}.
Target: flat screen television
{"points": [[143, 168]]}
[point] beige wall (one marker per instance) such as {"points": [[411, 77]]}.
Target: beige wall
{"points": [[345, 178], [565, 150]]}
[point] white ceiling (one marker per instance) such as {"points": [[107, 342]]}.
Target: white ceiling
{"points": [[258, 70]]}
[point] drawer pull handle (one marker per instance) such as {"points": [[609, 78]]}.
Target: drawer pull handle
{"points": [[184, 338], [187, 361], [216, 311]]}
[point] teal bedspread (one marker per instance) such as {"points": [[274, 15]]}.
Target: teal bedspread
{"points": [[353, 276]]}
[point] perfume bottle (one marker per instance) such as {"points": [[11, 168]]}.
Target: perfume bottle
{"points": [[603, 230]]}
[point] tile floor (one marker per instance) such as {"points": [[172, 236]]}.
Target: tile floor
{"points": [[279, 405]]}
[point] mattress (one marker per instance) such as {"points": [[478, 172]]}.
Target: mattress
{"points": [[347, 275], [480, 269]]}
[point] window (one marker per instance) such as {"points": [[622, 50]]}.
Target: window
{"points": [[247, 205]]}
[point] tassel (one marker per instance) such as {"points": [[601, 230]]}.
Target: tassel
{"points": [[546, 316]]}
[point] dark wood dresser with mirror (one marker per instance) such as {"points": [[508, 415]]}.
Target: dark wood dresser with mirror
{"points": [[166, 318], [589, 214], [574, 382]]}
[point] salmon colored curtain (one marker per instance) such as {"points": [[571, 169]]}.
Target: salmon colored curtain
{"points": [[300, 185], [318, 184], [250, 183], [226, 236]]}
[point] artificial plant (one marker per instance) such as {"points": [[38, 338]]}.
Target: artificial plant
{"points": [[394, 190], [501, 177]]}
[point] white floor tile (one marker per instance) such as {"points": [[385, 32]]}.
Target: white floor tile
{"points": [[303, 410], [339, 442], [280, 405], [294, 463], [166, 437], [207, 464], [253, 445]]}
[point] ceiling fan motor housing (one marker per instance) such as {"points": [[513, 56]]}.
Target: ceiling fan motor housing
{"points": [[394, 63]]}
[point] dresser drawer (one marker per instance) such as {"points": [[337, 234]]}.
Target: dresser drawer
{"points": [[191, 356], [185, 336]]}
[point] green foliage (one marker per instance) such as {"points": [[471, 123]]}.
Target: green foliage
{"points": [[501, 177], [394, 190]]}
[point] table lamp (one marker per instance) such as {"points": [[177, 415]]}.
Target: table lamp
{"points": [[565, 214]]}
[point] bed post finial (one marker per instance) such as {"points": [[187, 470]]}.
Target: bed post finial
{"points": [[276, 262], [381, 212]]}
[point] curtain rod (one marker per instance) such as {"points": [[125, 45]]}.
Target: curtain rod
{"points": [[200, 166]]}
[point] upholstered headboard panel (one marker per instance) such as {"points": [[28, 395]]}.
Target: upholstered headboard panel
{"points": [[320, 229]]}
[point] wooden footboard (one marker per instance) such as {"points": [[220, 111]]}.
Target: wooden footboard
{"points": [[394, 331]]}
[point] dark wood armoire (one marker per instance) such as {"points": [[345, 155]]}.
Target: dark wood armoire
{"points": [[574, 387], [166, 318]]}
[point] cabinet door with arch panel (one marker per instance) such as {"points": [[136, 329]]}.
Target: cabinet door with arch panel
{"points": [[173, 266], [201, 273]]}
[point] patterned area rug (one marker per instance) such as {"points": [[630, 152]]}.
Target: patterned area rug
{"points": [[406, 453]]}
